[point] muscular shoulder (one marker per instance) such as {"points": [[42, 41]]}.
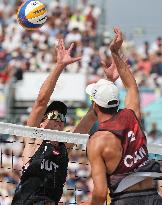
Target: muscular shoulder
{"points": [[103, 141], [102, 137]]}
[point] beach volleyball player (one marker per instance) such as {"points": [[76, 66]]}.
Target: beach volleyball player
{"points": [[117, 151], [45, 162]]}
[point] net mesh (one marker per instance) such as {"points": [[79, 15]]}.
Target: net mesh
{"points": [[78, 184]]}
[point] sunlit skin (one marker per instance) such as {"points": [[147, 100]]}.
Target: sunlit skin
{"points": [[50, 121], [36, 117], [52, 125], [104, 149]]}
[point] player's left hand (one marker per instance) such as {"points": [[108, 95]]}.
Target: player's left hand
{"points": [[64, 55], [110, 71], [117, 41]]}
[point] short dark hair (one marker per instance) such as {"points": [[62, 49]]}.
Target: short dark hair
{"points": [[110, 111], [57, 105]]}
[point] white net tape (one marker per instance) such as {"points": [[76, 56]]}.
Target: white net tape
{"points": [[53, 135], [45, 134], [78, 183]]}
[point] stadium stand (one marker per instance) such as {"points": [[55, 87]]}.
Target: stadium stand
{"points": [[23, 52]]}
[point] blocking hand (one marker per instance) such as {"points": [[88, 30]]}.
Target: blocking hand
{"points": [[110, 71], [117, 41], [64, 55]]}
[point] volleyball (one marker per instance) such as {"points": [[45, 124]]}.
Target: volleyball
{"points": [[32, 14]]}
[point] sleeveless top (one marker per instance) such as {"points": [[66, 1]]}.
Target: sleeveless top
{"points": [[126, 127], [45, 175]]}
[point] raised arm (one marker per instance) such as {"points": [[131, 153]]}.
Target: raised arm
{"points": [[111, 71], [98, 170], [46, 90], [86, 122], [132, 100], [40, 105], [90, 118], [84, 125]]}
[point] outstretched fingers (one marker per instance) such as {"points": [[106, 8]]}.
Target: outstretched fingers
{"points": [[117, 40], [118, 34], [114, 39], [117, 31], [76, 59], [62, 44], [58, 47], [70, 48], [69, 52], [57, 43]]}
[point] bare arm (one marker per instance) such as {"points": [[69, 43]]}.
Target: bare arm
{"points": [[84, 125], [98, 170], [86, 122], [132, 100], [38, 111], [40, 105]]}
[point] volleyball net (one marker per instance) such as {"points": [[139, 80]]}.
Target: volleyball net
{"points": [[54, 135], [78, 184]]}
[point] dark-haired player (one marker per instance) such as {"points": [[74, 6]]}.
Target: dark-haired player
{"points": [[45, 162]]}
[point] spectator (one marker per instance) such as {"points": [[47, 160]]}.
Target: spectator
{"points": [[154, 134]]}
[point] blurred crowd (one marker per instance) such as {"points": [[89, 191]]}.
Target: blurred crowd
{"points": [[22, 51]]}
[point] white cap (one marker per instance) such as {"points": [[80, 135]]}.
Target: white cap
{"points": [[103, 92]]}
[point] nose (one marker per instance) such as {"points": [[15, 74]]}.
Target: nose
{"points": [[54, 125]]}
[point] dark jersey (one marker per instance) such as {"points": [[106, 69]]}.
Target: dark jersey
{"points": [[126, 127], [45, 175]]}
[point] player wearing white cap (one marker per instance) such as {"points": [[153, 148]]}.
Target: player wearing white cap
{"points": [[117, 151]]}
